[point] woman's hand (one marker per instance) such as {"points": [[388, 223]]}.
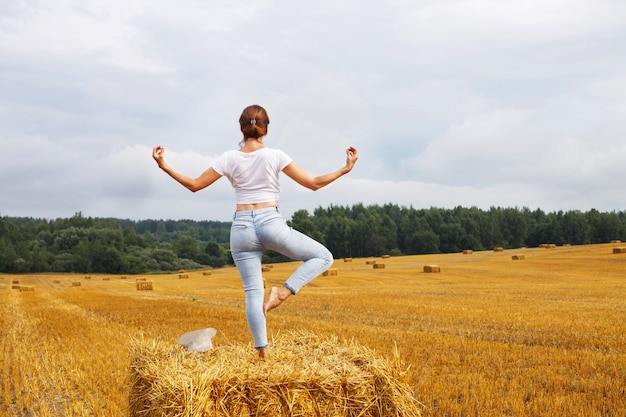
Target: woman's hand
{"points": [[352, 155], [158, 153]]}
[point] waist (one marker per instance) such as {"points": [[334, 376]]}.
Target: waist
{"points": [[256, 206]]}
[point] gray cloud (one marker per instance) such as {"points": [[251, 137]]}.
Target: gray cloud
{"points": [[482, 103]]}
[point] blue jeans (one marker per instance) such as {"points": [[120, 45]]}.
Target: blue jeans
{"points": [[254, 231]]}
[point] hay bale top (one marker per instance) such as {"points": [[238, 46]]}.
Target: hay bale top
{"points": [[305, 376]]}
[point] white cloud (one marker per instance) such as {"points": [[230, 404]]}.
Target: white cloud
{"points": [[478, 102]]}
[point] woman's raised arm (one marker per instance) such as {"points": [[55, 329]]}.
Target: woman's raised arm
{"points": [[299, 175], [205, 179]]}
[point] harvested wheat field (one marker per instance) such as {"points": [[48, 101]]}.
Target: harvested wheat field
{"points": [[486, 336]]}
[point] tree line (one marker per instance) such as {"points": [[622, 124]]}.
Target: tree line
{"points": [[116, 246]]}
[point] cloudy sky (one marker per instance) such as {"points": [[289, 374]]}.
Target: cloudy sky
{"points": [[509, 103]]}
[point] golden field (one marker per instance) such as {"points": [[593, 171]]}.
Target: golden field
{"points": [[486, 336]]}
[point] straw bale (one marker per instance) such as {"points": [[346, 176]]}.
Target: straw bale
{"points": [[432, 268], [468, 252], [347, 259], [183, 276], [76, 284], [206, 273], [305, 376], [498, 249], [123, 277], [619, 250], [370, 262], [15, 281], [269, 266], [517, 257], [547, 245], [386, 256], [140, 279], [330, 271], [87, 276], [181, 271], [106, 278], [616, 241], [144, 285], [265, 269], [15, 286], [26, 288], [57, 281], [379, 266]]}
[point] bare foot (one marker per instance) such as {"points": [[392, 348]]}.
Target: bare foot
{"points": [[275, 298]]}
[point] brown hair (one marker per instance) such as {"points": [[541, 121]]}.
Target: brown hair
{"points": [[253, 122]]}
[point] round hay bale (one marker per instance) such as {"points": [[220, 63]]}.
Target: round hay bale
{"points": [[619, 250], [305, 376], [432, 268]]}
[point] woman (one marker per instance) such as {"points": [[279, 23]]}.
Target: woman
{"points": [[253, 171]]}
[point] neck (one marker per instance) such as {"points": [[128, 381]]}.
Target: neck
{"points": [[252, 144]]}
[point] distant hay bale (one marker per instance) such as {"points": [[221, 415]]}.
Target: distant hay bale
{"points": [[57, 281], [106, 278], [308, 376], [498, 249], [87, 276], [567, 244], [547, 245], [330, 271], [619, 250], [15, 286], [181, 271], [123, 277], [144, 285], [517, 257], [616, 241], [468, 252], [140, 279], [269, 265], [386, 256], [26, 288], [379, 266], [206, 273], [432, 268], [183, 276], [370, 262], [265, 269], [347, 259], [15, 281], [76, 284]]}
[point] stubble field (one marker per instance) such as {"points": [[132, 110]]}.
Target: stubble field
{"points": [[486, 336]]}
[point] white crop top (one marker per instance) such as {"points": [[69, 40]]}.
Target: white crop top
{"points": [[253, 175]]}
